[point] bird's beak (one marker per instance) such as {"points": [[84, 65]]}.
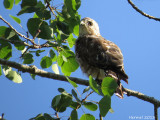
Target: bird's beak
{"points": [[82, 23]]}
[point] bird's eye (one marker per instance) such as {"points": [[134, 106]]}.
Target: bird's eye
{"points": [[90, 23]]}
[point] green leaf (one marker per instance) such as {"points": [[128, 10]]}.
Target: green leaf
{"points": [[27, 9], [87, 117], [19, 46], [75, 105], [12, 75], [2, 31], [28, 3], [55, 68], [71, 65], [109, 86], [105, 105], [74, 115], [46, 62], [61, 90], [28, 58], [71, 41], [37, 26], [78, 4], [76, 30], [33, 76], [94, 85], [15, 19], [0, 70], [90, 106], [43, 14], [10, 34], [8, 4], [86, 89], [47, 116], [39, 51], [59, 104], [17, 1], [53, 55], [75, 95], [56, 100], [5, 50], [72, 83]]}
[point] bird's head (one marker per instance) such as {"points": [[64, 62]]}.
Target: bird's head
{"points": [[88, 27]]}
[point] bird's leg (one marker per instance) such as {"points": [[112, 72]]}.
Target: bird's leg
{"points": [[98, 81]]}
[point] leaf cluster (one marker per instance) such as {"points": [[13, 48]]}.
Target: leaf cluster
{"points": [[56, 29]]}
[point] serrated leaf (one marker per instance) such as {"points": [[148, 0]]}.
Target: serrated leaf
{"points": [[17, 1], [87, 117], [28, 58], [75, 95], [105, 105], [55, 68], [74, 115], [8, 4], [16, 19], [46, 62], [12, 75], [72, 83], [86, 89], [108, 86], [90, 106]]}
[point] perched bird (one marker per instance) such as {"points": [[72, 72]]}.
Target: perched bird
{"points": [[99, 57]]}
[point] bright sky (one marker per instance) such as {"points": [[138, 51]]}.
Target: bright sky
{"points": [[137, 36]]}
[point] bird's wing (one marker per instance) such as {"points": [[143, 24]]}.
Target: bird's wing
{"points": [[99, 52]]}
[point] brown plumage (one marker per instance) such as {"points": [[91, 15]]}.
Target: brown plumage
{"points": [[99, 57]]}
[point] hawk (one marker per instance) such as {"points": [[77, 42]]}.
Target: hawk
{"points": [[99, 57]]}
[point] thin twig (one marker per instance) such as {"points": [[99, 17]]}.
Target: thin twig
{"points": [[156, 112], [51, 9], [47, 44], [19, 34], [141, 12], [100, 117], [87, 96]]}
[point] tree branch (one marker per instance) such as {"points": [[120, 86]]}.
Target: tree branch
{"points": [[34, 70], [141, 12], [54, 44], [156, 112]]}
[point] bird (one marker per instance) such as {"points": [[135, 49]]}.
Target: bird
{"points": [[99, 57]]}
